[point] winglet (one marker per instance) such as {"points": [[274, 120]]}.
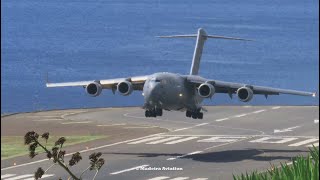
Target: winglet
{"points": [[47, 81]]}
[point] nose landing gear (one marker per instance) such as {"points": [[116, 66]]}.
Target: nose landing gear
{"points": [[153, 112], [194, 114]]}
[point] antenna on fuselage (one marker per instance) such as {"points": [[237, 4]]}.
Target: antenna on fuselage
{"points": [[201, 38]]}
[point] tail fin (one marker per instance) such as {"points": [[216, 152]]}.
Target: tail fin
{"points": [[201, 38]]}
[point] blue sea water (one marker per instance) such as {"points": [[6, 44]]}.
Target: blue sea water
{"points": [[87, 40]]}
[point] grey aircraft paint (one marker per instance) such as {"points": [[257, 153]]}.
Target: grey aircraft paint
{"points": [[177, 92]]}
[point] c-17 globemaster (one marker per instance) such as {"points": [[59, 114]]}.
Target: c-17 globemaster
{"points": [[170, 91]]}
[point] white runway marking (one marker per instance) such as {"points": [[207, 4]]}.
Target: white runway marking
{"points": [[57, 119], [83, 151], [315, 145], [181, 140], [279, 140], [7, 175], [304, 142], [140, 127], [183, 129], [147, 139], [122, 124], [131, 169], [201, 124], [200, 179], [164, 140], [159, 178], [222, 139], [259, 111], [180, 178], [20, 177], [316, 121], [241, 115], [77, 122], [223, 119], [285, 130], [44, 176], [196, 152], [276, 107]]}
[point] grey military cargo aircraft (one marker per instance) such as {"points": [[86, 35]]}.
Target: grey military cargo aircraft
{"points": [[171, 91]]}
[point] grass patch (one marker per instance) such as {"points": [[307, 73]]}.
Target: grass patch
{"points": [[13, 146], [301, 168]]}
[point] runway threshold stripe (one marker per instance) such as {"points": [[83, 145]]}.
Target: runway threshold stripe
{"points": [[7, 175], [303, 142], [277, 107], [164, 140], [201, 124], [200, 179], [20, 177], [192, 153], [146, 140], [159, 178], [181, 140], [316, 121], [131, 169], [44, 176]]}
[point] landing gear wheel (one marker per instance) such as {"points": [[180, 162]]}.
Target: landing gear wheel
{"points": [[200, 116], [158, 112], [188, 113], [147, 113], [194, 116]]}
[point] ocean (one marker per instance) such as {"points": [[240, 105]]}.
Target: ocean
{"points": [[74, 40]]}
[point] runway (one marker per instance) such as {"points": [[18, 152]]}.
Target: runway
{"points": [[229, 140]]}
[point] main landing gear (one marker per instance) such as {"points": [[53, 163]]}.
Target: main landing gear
{"points": [[153, 112], [194, 114]]}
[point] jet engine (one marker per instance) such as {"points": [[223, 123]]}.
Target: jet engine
{"points": [[206, 90], [125, 88], [94, 89], [244, 94]]}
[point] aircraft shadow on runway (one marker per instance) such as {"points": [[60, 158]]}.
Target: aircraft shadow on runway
{"points": [[228, 155]]}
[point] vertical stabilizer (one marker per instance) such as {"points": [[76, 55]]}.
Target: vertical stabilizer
{"points": [[201, 38]]}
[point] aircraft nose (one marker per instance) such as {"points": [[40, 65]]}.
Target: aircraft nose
{"points": [[152, 91]]}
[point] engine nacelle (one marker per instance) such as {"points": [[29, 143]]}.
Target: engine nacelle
{"points": [[244, 94], [94, 89], [125, 88], [206, 90]]}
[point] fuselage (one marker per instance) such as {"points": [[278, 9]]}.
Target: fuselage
{"points": [[170, 91]]}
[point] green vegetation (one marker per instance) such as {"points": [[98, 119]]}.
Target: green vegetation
{"points": [[300, 169], [13, 146]]}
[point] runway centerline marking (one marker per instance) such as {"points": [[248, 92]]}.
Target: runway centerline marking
{"points": [[56, 119], [201, 124], [130, 169], [304, 142], [285, 130], [316, 121], [121, 124], [189, 154]]}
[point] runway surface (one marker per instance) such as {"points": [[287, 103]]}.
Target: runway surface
{"points": [[229, 140]]}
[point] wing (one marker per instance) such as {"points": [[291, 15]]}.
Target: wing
{"points": [[231, 87], [137, 83]]}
